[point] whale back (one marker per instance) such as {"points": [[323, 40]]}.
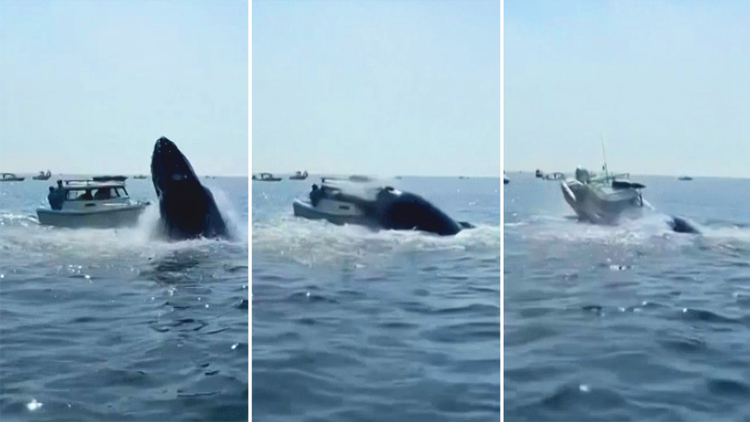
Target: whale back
{"points": [[407, 211]]}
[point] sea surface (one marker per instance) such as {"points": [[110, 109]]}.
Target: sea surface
{"points": [[353, 325], [632, 322], [106, 325]]}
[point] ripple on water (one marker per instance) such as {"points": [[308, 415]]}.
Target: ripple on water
{"points": [[117, 325]]}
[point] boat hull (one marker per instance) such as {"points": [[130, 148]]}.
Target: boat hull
{"points": [[307, 210], [121, 216], [600, 206]]}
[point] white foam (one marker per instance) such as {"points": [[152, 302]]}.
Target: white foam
{"points": [[308, 241]]}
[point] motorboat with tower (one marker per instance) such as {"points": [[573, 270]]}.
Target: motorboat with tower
{"points": [[603, 199]]}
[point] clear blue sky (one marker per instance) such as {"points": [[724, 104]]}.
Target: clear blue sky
{"points": [[667, 82], [377, 87], [88, 86]]}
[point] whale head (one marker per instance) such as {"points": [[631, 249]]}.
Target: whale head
{"points": [[187, 209]]}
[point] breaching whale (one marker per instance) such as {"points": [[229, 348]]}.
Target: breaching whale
{"points": [[389, 209], [186, 208]]}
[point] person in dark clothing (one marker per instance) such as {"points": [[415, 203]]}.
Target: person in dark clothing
{"points": [[55, 198], [86, 196], [316, 195]]}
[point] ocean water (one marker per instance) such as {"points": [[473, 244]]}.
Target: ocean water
{"points": [[632, 322], [116, 325], [354, 325]]}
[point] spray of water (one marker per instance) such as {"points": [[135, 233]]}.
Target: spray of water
{"points": [[309, 242]]}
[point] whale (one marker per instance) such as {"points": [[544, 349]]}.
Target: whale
{"points": [[390, 209], [396, 210], [187, 209], [681, 225]]}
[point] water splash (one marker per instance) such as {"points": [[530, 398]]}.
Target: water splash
{"points": [[309, 241]]}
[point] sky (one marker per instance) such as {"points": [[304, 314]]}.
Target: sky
{"points": [[87, 87], [667, 83], [380, 88]]}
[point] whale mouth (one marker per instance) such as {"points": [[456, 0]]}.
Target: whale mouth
{"points": [[169, 166]]}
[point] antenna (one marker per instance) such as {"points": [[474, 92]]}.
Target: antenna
{"points": [[604, 152]]}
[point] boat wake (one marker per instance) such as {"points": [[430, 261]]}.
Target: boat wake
{"points": [[650, 230], [309, 242], [24, 234]]}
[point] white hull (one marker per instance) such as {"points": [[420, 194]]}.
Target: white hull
{"points": [[336, 212], [113, 217], [601, 204]]}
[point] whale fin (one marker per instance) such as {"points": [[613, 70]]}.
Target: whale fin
{"points": [[681, 225]]}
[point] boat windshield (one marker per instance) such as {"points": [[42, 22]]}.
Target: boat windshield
{"points": [[95, 194], [366, 191]]}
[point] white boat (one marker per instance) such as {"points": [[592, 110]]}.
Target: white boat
{"points": [[90, 203], [329, 202], [604, 199]]}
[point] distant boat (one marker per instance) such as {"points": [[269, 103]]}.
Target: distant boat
{"points": [[266, 177], [505, 179], [539, 173], [10, 177], [140, 176], [554, 176], [43, 176], [299, 176], [685, 178]]}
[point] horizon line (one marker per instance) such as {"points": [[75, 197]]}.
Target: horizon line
{"points": [[643, 174]]}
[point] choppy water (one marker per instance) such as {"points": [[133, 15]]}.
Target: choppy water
{"points": [[353, 325], [115, 325], [632, 322]]}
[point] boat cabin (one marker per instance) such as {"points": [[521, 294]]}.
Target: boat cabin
{"points": [[91, 195]]}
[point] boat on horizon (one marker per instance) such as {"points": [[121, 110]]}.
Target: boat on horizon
{"points": [[299, 176], [266, 177], [10, 177], [43, 176], [554, 176]]}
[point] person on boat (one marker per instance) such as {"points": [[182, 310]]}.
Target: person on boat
{"points": [[316, 195], [86, 196], [103, 193], [582, 175], [55, 198]]}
